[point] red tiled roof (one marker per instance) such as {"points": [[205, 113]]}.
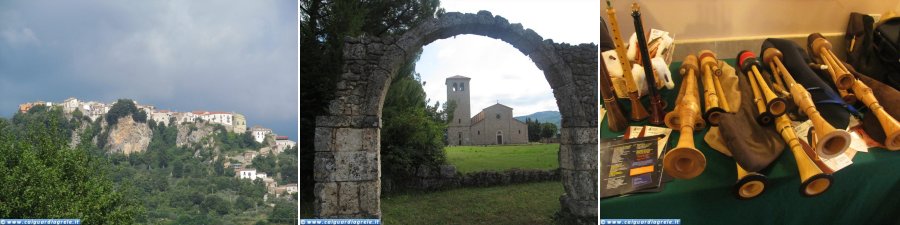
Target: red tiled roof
{"points": [[281, 138]]}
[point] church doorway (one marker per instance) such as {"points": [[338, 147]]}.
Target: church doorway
{"points": [[499, 137]]}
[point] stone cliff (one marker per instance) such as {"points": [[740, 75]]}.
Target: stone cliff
{"points": [[128, 136], [194, 133]]}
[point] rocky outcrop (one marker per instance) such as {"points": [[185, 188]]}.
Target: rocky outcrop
{"points": [[75, 139], [193, 133], [128, 136]]}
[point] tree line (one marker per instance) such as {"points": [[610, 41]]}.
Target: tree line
{"points": [[538, 130]]}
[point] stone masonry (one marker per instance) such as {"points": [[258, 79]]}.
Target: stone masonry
{"points": [[347, 163]]}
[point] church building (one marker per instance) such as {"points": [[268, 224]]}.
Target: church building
{"points": [[494, 125]]}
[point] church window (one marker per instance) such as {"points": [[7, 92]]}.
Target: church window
{"points": [[462, 87], [459, 121], [479, 132], [498, 116], [520, 131]]}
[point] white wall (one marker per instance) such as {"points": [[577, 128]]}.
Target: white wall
{"points": [[695, 20]]}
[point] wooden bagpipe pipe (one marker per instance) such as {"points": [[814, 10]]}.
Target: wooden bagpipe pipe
{"points": [[815, 176], [825, 139], [685, 161], [614, 116], [843, 81], [638, 112], [769, 105], [714, 101], [831, 141]]}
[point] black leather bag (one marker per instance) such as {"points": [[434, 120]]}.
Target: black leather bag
{"points": [[875, 51]]}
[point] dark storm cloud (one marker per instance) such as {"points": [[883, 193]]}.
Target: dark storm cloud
{"points": [[236, 56]]}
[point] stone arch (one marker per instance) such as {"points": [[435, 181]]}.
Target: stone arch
{"points": [[347, 164]]}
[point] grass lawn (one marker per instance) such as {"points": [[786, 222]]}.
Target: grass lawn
{"points": [[533, 203], [503, 157]]}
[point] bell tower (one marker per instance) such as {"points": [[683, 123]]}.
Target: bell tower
{"points": [[458, 129]]}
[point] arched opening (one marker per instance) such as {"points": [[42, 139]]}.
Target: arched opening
{"points": [[499, 137], [490, 72], [347, 138]]}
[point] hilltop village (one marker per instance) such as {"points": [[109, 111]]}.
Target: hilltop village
{"points": [[127, 137]]}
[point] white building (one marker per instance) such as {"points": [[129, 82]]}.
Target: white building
{"points": [[291, 188], [94, 110], [282, 143], [185, 117], [223, 118], [239, 124], [70, 105], [260, 133], [161, 116], [248, 174], [149, 109]]}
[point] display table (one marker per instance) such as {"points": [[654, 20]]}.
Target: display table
{"points": [[866, 192]]}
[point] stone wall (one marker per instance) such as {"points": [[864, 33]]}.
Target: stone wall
{"points": [[513, 176], [578, 135], [446, 177], [347, 163]]}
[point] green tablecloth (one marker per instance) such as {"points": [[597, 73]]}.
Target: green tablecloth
{"points": [[866, 192]]}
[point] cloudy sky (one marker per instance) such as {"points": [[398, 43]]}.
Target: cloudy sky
{"points": [[499, 72], [236, 56]]}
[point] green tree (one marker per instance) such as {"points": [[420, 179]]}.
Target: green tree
{"points": [[287, 168], [122, 108], [216, 204], [264, 163], [535, 129], [177, 169], [42, 177], [77, 114], [219, 167], [548, 130], [284, 213], [410, 137], [242, 203]]}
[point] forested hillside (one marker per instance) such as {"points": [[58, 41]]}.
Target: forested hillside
{"points": [[60, 165]]}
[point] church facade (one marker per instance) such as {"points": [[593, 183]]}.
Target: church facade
{"points": [[494, 125]]}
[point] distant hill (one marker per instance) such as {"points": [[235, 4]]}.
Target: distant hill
{"points": [[543, 117]]}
